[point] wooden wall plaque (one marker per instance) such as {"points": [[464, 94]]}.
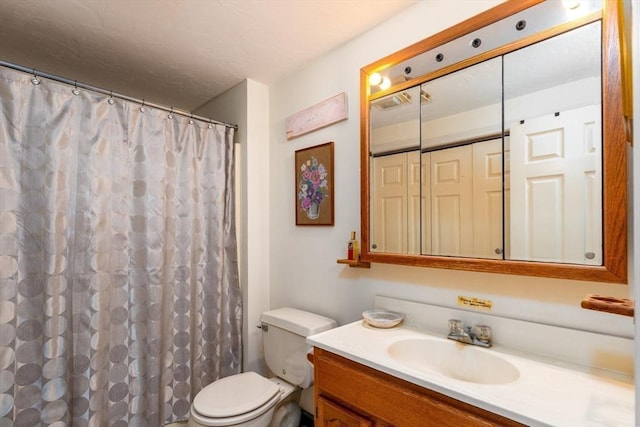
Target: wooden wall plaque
{"points": [[323, 114]]}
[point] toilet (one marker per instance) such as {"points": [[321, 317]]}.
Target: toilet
{"points": [[251, 400]]}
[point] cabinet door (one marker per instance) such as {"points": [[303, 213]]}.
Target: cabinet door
{"points": [[333, 415], [556, 188]]}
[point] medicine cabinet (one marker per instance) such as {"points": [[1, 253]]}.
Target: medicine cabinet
{"points": [[499, 145]]}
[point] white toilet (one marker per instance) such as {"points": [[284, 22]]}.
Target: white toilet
{"points": [[251, 400]]}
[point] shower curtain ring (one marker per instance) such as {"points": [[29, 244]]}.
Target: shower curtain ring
{"points": [[110, 101], [170, 116], [35, 80], [142, 109], [191, 119], [210, 124], [75, 90]]}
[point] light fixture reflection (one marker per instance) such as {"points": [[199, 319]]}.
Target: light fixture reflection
{"points": [[375, 79], [386, 83]]}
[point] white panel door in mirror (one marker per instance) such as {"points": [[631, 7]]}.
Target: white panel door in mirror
{"points": [[556, 188]]}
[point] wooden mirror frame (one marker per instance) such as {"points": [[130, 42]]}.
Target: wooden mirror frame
{"points": [[614, 153]]}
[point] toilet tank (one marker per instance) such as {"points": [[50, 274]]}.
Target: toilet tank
{"points": [[284, 333]]}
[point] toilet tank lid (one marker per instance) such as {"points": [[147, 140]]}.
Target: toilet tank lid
{"points": [[297, 321]]}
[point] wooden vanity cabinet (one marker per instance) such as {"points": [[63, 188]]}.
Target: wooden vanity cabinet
{"points": [[331, 414], [349, 394]]}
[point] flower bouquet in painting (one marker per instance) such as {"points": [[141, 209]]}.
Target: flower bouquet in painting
{"points": [[312, 187]]}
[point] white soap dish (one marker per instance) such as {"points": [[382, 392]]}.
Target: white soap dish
{"points": [[382, 318]]}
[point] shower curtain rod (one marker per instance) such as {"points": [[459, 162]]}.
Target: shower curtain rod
{"points": [[75, 83]]}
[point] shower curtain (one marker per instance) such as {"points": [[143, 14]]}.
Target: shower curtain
{"points": [[119, 292]]}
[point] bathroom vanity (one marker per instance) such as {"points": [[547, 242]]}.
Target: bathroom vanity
{"points": [[352, 394], [411, 375]]}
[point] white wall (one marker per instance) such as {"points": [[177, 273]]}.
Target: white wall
{"points": [[247, 105], [302, 260]]}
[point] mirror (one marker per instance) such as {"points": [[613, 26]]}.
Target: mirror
{"points": [[499, 161], [395, 181], [462, 151], [553, 118]]}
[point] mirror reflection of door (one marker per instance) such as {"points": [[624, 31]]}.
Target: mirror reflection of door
{"points": [[554, 118], [462, 140], [437, 166], [395, 162], [501, 160], [491, 197]]}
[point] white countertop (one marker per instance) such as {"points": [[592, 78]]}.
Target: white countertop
{"points": [[545, 394]]}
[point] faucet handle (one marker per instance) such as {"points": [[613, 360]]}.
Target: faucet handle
{"points": [[455, 326], [483, 333]]}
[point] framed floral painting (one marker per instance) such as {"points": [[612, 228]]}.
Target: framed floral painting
{"points": [[314, 185]]}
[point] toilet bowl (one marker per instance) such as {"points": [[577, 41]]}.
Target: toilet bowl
{"points": [[251, 400], [247, 400]]}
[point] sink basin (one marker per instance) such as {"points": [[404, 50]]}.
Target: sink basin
{"points": [[454, 360]]}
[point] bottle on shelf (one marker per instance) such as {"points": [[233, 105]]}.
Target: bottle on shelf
{"points": [[353, 247]]}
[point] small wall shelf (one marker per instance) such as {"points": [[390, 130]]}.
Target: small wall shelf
{"points": [[614, 305], [357, 263]]}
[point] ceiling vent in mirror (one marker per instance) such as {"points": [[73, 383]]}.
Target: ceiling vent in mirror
{"points": [[392, 101]]}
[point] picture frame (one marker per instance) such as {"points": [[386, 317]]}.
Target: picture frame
{"points": [[314, 185]]}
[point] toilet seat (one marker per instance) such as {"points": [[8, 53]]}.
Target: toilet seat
{"points": [[235, 399]]}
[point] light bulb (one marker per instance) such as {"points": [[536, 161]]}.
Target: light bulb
{"points": [[375, 79], [386, 83]]}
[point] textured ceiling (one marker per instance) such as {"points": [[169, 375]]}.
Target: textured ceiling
{"points": [[180, 53]]}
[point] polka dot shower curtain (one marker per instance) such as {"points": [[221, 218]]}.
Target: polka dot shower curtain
{"points": [[119, 294]]}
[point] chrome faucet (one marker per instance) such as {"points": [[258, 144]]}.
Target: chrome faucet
{"points": [[480, 335]]}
